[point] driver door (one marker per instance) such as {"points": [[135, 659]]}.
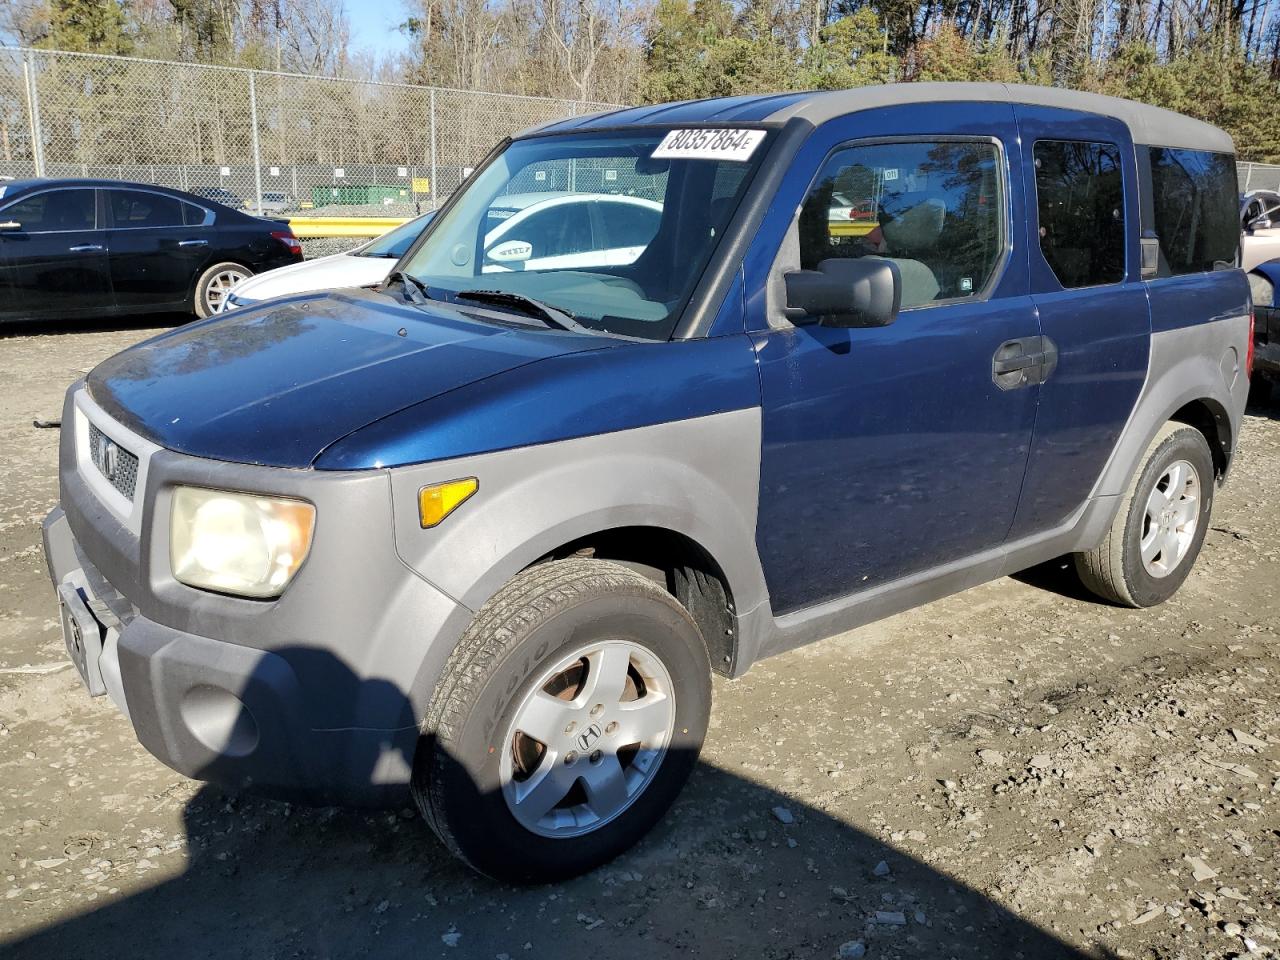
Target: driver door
{"points": [[891, 451]]}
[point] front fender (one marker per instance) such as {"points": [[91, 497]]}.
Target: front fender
{"points": [[698, 477]]}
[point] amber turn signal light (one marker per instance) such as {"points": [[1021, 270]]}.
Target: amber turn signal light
{"points": [[440, 499]]}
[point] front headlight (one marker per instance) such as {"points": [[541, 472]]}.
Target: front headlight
{"points": [[238, 543]]}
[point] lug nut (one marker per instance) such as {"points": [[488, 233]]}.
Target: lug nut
{"points": [[571, 727], [570, 758], [597, 710], [611, 727], [595, 756]]}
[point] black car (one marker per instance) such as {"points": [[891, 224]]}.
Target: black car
{"points": [[77, 248]]}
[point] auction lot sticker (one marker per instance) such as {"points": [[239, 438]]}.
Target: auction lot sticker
{"points": [[717, 144]]}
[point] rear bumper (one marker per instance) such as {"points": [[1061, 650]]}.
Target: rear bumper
{"points": [[1266, 357]]}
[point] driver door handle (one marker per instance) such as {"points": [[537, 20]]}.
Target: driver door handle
{"points": [[87, 248], [193, 243]]}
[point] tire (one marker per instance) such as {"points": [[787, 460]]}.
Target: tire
{"points": [[1116, 570], [472, 765], [214, 284]]}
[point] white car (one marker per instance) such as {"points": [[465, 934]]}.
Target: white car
{"points": [[563, 230], [365, 266], [1260, 221]]}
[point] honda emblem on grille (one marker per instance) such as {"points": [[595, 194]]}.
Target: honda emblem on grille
{"points": [[108, 457]]}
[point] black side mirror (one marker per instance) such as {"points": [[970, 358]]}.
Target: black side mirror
{"points": [[861, 292]]}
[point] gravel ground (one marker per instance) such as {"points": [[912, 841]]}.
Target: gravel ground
{"points": [[1016, 771]]}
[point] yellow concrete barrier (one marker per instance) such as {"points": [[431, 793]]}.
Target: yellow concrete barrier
{"points": [[344, 226]]}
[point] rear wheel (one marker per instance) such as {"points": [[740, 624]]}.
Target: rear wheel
{"points": [[1157, 533], [566, 721], [214, 285]]}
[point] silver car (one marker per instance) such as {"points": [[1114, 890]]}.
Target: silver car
{"points": [[1260, 223]]}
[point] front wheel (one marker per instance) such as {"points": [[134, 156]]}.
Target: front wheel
{"points": [[566, 721], [1157, 533], [214, 285]]}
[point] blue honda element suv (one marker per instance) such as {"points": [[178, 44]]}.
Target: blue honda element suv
{"points": [[481, 535]]}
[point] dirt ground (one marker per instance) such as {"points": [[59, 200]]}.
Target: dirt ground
{"points": [[1016, 771]]}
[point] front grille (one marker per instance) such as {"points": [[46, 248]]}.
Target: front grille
{"points": [[120, 468]]}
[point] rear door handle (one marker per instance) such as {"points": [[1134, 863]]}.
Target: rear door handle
{"points": [[1001, 365], [193, 243], [87, 248], [1023, 362]]}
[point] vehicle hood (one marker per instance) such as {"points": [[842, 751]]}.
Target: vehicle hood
{"points": [[276, 384], [326, 273]]}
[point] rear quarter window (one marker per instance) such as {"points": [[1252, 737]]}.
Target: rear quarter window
{"points": [[1080, 201], [1195, 203]]}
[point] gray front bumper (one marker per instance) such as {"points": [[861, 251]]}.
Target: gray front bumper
{"points": [[315, 695], [227, 713]]}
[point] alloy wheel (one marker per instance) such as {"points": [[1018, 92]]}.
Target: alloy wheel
{"points": [[587, 739], [219, 286], [1172, 516]]}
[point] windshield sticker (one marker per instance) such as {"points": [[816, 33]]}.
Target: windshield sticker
{"points": [[736, 145]]}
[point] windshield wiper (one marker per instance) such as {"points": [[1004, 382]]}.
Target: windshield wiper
{"points": [[414, 288], [551, 316]]}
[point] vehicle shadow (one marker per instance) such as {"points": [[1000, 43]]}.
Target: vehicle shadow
{"points": [[1264, 400], [1057, 576], [146, 321], [722, 876]]}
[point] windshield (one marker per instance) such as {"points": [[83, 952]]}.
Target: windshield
{"points": [[395, 243], [614, 229]]}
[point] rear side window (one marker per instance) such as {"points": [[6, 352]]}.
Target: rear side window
{"points": [[1080, 204], [54, 211], [138, 208], [628, 224], [192, 215], [1195, 200], [935, 209]]}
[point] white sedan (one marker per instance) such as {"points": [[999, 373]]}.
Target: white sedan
{"points": [[365, 266], [565, 230]]}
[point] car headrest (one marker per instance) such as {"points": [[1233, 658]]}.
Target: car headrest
{"points": [[916, 229]]}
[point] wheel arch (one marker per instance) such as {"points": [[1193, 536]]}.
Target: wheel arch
{"points": [[682, 566], [1212, 420]]}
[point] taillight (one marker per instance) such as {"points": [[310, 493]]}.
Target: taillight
{"points": [[1248, 356], [289, 240]]}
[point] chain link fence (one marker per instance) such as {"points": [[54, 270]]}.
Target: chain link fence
{"points": [[275, 143], [1258, 176]]}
